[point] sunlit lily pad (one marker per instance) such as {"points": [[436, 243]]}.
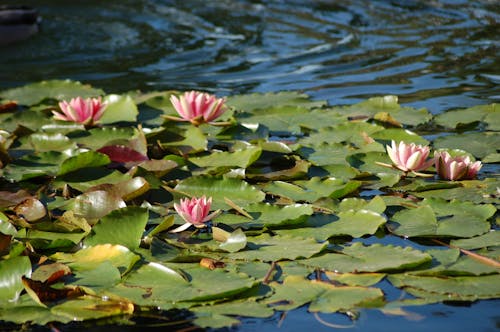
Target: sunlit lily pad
{"points": [[457, 288], [239, 192], [56, 89], [311, 212], [272, 248], [373, 258]]}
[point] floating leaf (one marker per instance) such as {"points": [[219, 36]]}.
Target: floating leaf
{"points": [[155, 284], [93, 307], [356, 279], [122, 154], [459, 118], [83, 160], [123, 226], [132, 188], [346, 298], [269, 215], [90, 257], [119, 108], [96, 138], [88, 179], [97, 204], [479, 144], [56, 89], [31, 210], [490, 239], [256, 101], [11, 272], [231, 242], [272, 248], [313, 189], [42, 142], [447, 289], [376, 204], [241, 158], [352, 132], [423, 221], [352, 223], [388, 104], [31, 166], [240, 192], [373, 258]]}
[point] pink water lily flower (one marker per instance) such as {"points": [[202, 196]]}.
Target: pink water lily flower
{"points": [[198, 107], [194, 211], [409, 157], [455, 168], [85, 111]]}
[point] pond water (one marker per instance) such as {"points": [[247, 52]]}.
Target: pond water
{"points": [[435, 54]]}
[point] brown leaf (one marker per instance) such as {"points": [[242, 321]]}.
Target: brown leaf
{"points": [[8, 198], [7, 107], [42, 292], [211, 264], [50, 273], [31, 209]]}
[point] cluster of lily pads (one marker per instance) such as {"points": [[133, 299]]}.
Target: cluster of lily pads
{"points": [[250, 205]]}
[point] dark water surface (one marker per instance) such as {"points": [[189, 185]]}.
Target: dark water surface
{"points": [[435, 54]]}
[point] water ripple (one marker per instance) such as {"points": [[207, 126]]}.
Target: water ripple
{"points": [[439, 53]]}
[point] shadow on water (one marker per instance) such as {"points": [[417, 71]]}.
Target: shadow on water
{"points": [[434, 54]]}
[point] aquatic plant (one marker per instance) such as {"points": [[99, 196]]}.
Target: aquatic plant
{"points": [[96, 223], [194, 211], [455, 168], [84, 111], [409, 157], [198, 107]]}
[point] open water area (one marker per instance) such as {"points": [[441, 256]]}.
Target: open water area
{"points": [[441, 55]]}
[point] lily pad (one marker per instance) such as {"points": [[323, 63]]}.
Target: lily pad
{"points": [[373, 258], [55, 89], [238, 191]]}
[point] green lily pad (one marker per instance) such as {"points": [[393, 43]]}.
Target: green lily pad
{"points": [[448, 220], [352, 223], [158, 285], [11, 272], [55, 89], [96, 138], [461, 117], [313, 189], [273, 248], [83, 160], [92, 307], [259, 101], [265, 214], [123, 226], [480, 144], [356, 279], [373, 258], [51, 142], [119, 108], [241, 158], [389, 104], [90, 257], [238, 191], [457, 288], [490, 239], [96, 204]]}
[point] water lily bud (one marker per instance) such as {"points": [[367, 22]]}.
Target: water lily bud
{"points": [[455, 168]]}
